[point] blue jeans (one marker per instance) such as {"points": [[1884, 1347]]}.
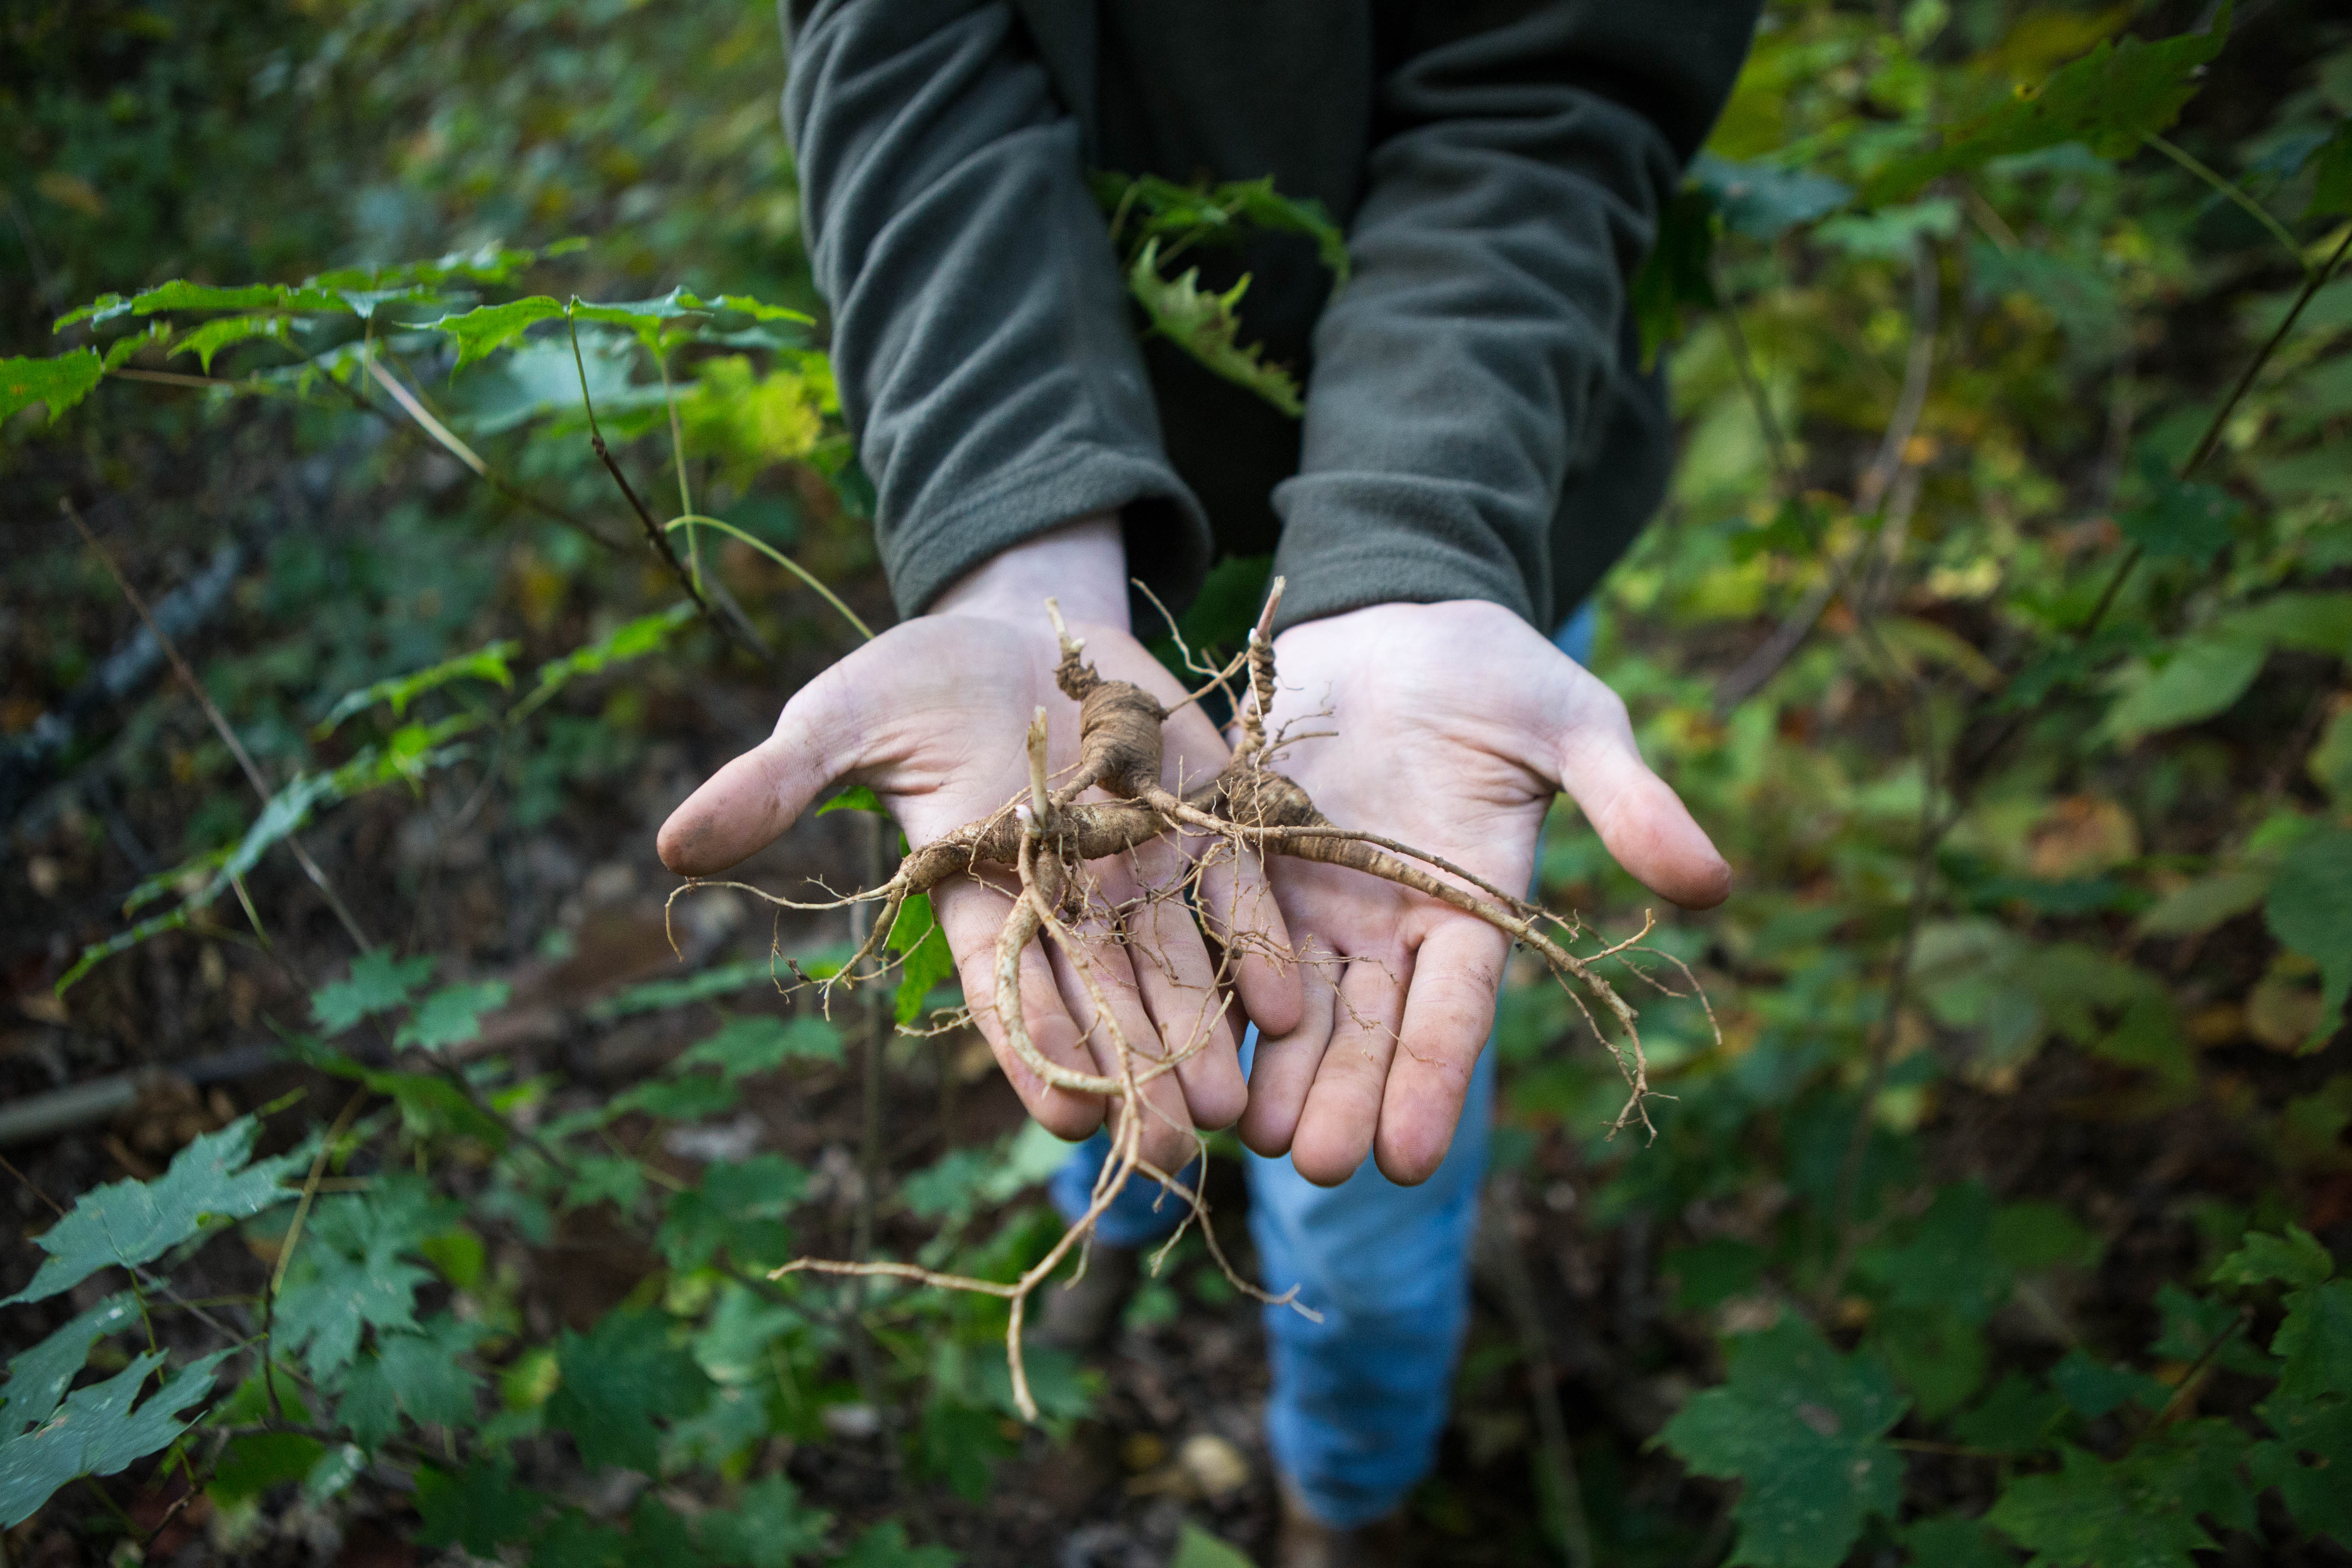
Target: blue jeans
{"points": [[1361, 1398]]}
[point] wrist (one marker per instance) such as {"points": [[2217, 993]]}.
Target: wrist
{"points": [[1082, 564]]}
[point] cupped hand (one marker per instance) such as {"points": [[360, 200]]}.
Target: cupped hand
{"points": [[932, 716], [1448, 727]]}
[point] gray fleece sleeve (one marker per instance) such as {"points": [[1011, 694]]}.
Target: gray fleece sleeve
{"points": [[1514, 186], [981, 335]]}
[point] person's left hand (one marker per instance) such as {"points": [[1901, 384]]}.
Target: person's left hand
{"points": [[1448, 727]]}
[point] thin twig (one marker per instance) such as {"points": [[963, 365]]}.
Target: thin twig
{"points": [[253, 773]]}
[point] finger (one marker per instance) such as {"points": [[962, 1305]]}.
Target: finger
{"points": [[1343, 1107], [1448, 1013], [1167, 1126], [971, 913], [1238, 905], [1642, 822], [1283, 1070], [748, 805], [1179, 987]]}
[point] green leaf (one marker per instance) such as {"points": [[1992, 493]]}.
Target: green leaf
{"points": [[1204, 326], [97, 1432], [1892, 234], [2204, 904], [694, 1098], [58, 383], [486, 329], [759, 310], [2206, 674], [452, 1016], [427, 1373], [924, 959], [1711, 1272], [575, 1540], [181, 295], [483, 664], [2331, 180], [256, 1461], [1803, 1429], [378, 984], [1677, 274], [2312, 623], [2141, 1511], [769, 1527], [336, 1469], [478, 1508], [38, 1378], [760, 1042], [630, 640], [2295, 1257], [2315, 1341], [1196, 1548], [2032, 1237], [214, 336], [1955, 1542], [2313, 1493], [660, 995], [2178, 521], [1763, 202], [732, 1347], [2018, 1416], [124, 1224], [887, 1546], [1940, 1357], [857, 797], [2109, 100], [619, 1379], [1947, 1263], [606, 1178], [739, 1207], [2310, 910], [2093, 1388]]}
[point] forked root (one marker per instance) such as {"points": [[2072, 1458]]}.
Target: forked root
{"points": [[1045, 839]]}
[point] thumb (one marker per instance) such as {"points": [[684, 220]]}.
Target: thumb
{"points": [[1642, 822], [749, 802]]}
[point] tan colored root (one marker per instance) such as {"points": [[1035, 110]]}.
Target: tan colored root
{"points": [[1046, 838]]}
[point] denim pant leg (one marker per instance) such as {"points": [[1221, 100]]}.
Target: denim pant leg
{"points": [[1359, 1399], [1144, 1213]]}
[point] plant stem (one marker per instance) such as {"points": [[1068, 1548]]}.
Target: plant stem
{"points": [[2230, 190]]}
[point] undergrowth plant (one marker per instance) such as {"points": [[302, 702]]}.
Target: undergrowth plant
{"points": [[1998, 629]]}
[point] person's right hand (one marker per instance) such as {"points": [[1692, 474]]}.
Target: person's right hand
{"points": [[933, 717]]}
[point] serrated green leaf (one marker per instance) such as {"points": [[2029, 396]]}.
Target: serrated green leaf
{"points": [[38, 1378], [769, 1527], [58, 384], [2310, 910], [214, 336], [1803, 1429], [2314, 1493], [630, 640], [452, 1016], [2018, 1416], [732, 1347], [486, 329], [606, 1178], [2315, 1341], [181, 295], [2141, 1511], [427, 1373], [98, 1431], [619, 1379], [2111, 99], [575, 1540], [887, 1546], [378, 983], [760, 1042], [1947, 1262], [740, 1207], [479, 1508], [2295, 1257], [124, 1224], [856, 797], [488, 664], [333, 1473], [1204, 326], [105, 308], [350, 1271], [758, 310]]}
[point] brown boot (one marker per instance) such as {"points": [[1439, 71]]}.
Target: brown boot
{"points": [[1307, 1542], [1083, 1318]]}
